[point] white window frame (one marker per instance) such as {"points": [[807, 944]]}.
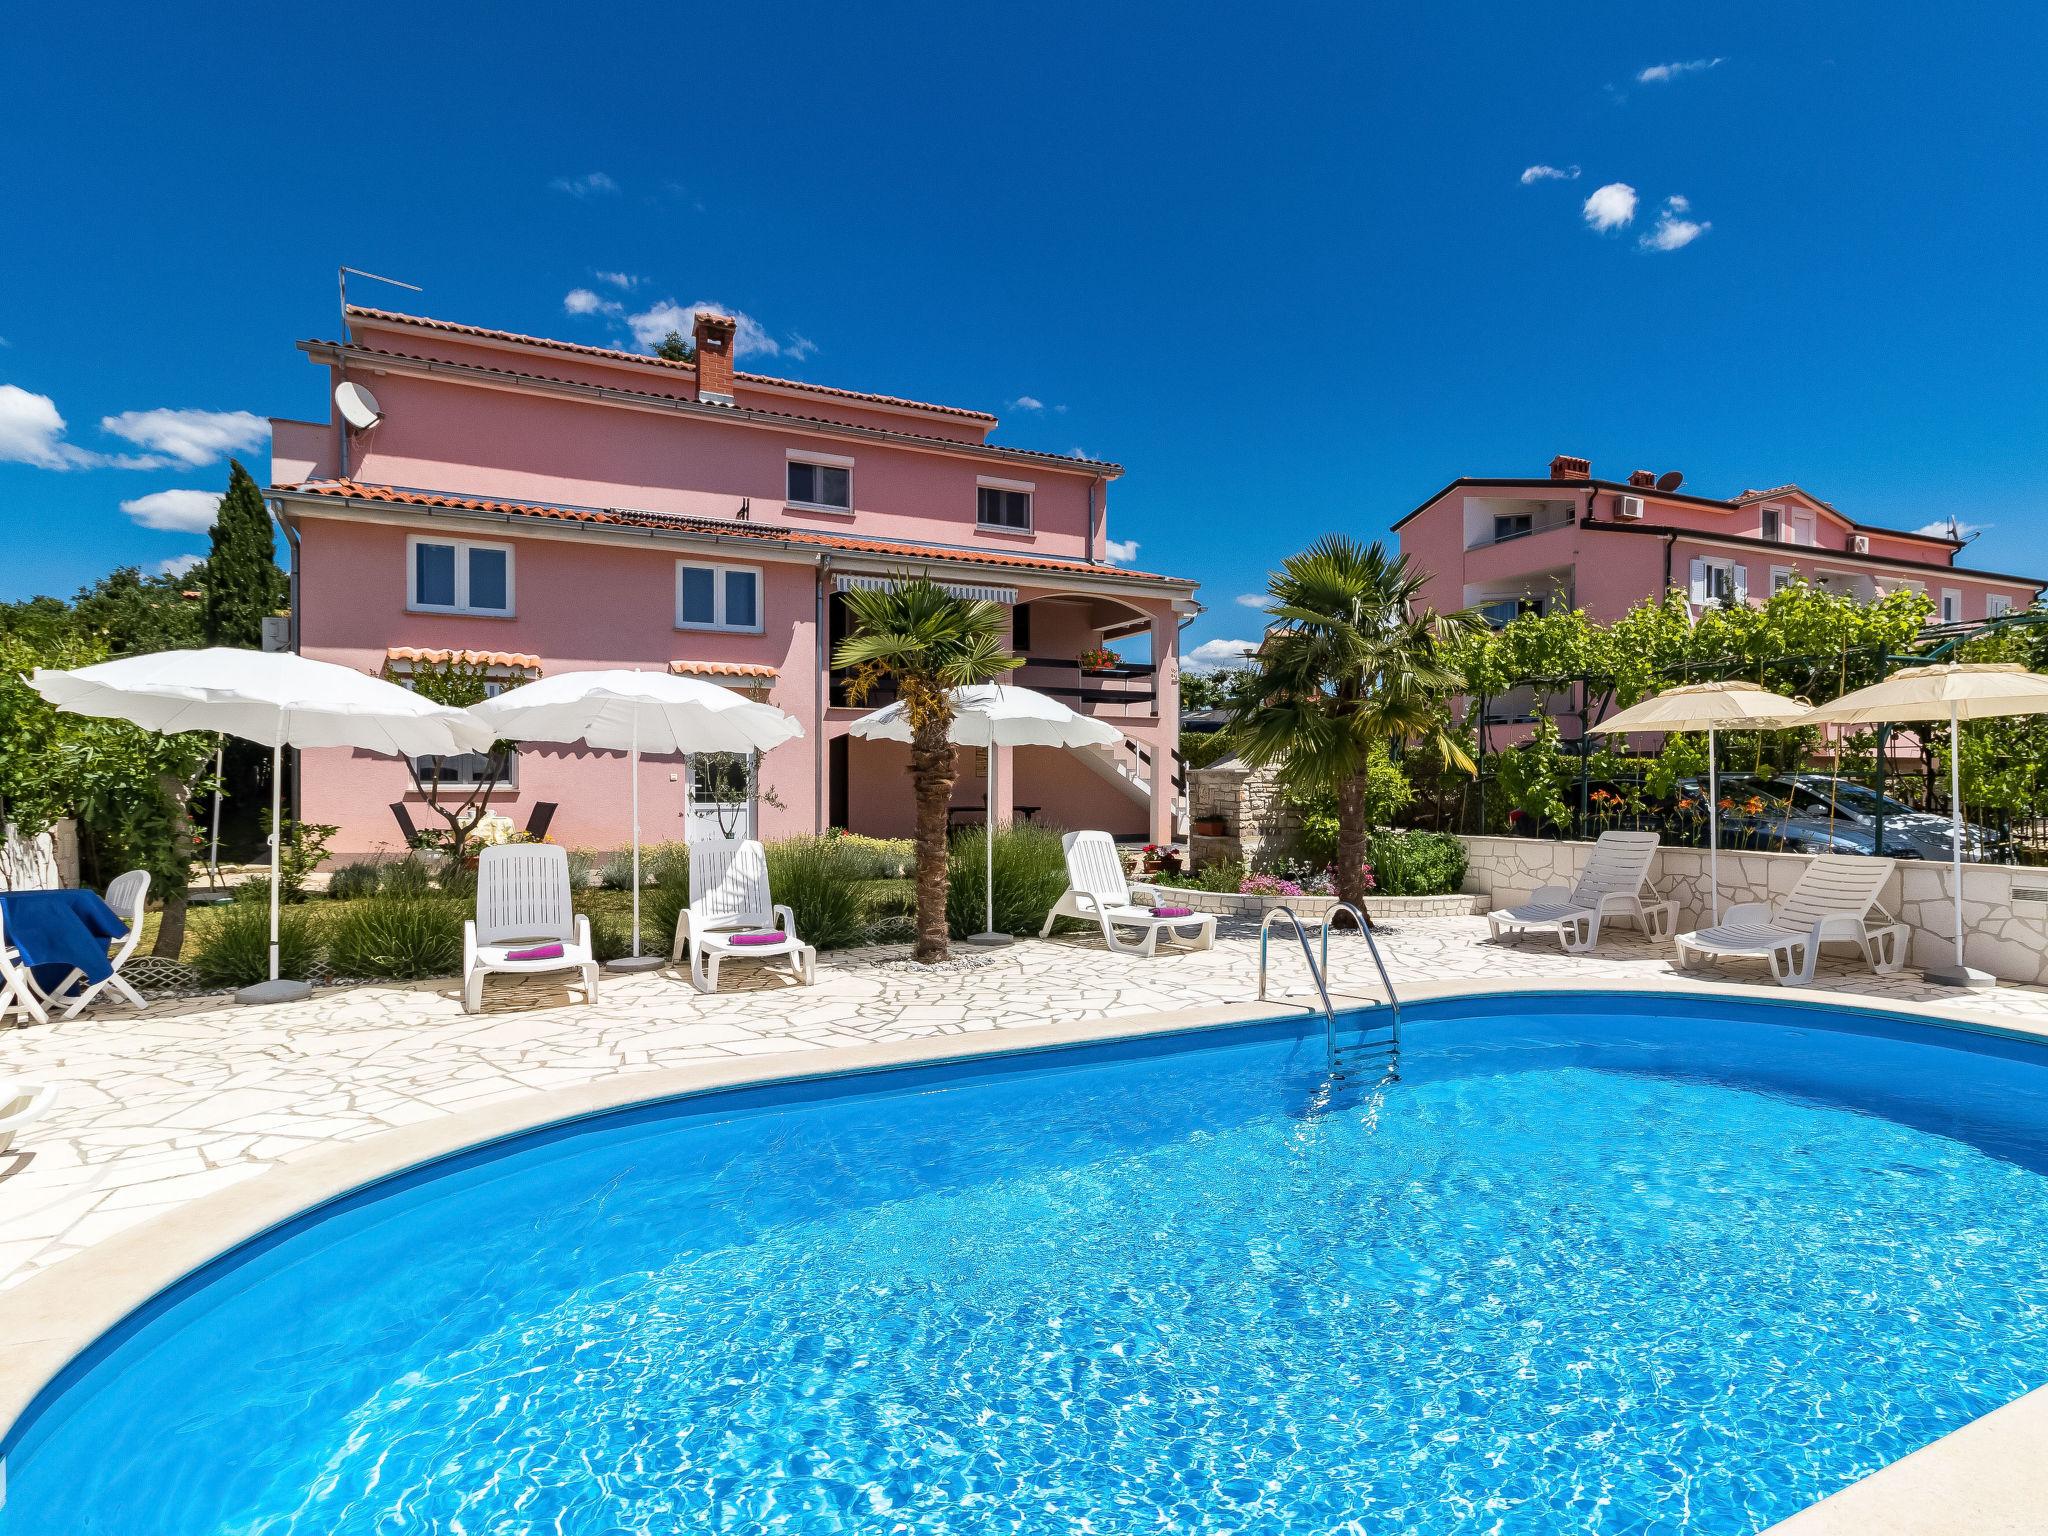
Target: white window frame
{"points": [[719, 570], [1782, 576], [1951, 599], [1775, 534], [1997, 605], [1030, 491], [467, 776], [818, 461], [462, 548], [1738, 580]]}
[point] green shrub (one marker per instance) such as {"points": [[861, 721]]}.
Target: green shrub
{"points": [[888, 898], [616, 873], [1416, 863], [611, 936], [354, 881], [666, 864], [408, 876], [236, 949], [582, 865], [1030, 874], [820, 882], [457, 882], [875, 858], [660, 909], [1223, 875], [398, 938]]}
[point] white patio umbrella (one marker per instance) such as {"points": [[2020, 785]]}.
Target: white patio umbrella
{"points": [[633, 712], [1711, 707], [275, 698], [995, 715], [1955, 692]]}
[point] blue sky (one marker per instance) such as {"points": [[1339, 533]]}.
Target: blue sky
{"points": [[1285, 264]]}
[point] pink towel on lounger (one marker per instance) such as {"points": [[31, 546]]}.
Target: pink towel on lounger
{"points": [[537, 952], [1173, 911], [757, 938]]}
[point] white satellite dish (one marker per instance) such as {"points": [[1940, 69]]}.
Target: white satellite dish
{"points": [[358, 406]]}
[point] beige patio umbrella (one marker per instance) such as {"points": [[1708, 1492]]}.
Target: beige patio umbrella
{"points": [[1711, 707], [1954, 691]]}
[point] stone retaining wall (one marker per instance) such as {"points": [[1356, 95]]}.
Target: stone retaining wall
{"points": [[1230, 904], [2005, 909]]}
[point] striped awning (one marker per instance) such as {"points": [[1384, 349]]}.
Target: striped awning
{"points": [[724, 669], [1006, 595], [463, 658]]}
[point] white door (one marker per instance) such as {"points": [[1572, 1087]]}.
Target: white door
{"points": [[718, 803]]}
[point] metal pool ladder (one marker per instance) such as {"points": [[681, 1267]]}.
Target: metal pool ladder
{"points": [[1376, 1046]]}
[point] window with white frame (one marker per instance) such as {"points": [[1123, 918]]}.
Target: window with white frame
{"points": [[1951, 606], [1004, 504], [1782, 576], [458, 576], [466, 770], [1997, 605], [718, 597], [1716, 580], [820, 480], [1774, 524]]}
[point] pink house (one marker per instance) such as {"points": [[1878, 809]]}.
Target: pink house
{"points": [[1516, 545], [542, 506]]}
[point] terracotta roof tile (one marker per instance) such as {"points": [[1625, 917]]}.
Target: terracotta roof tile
{"points": [[723, 669], [346, 490], [465, 658], [990, 450], [453, 328]]}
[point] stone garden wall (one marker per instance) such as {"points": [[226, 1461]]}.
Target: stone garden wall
{"points": [[1259, 825], [2005, 909], [1381, 908]]}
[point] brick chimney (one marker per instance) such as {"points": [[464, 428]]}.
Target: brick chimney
{"points": [[1565, 467], [1641, 479], [713, 336]]}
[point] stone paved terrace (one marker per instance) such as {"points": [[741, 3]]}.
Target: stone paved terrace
{"points": [[192, 1097]]}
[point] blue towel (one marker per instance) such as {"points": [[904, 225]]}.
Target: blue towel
{"points": [[57, 932]]}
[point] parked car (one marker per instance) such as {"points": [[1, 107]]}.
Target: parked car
{"points": [[1758, 819], [1908, 834]]}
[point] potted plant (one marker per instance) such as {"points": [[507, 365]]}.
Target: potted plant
{"points": [[1100, 658], [1211, 826], [1162, 859]]}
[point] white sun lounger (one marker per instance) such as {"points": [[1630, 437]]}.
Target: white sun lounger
{"points": [[523, 901], [1615, 884], [1098, 891], [128, 895], [21, 1103], [1833, 900], [729, 895]]}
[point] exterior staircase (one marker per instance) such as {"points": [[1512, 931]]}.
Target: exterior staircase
{"points": [[1128, 765]]}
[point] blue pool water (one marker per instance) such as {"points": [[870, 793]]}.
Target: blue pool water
{"points": [[1598, 1263]]}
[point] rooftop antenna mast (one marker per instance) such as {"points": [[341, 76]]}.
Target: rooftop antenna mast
{"points": [[341, 277]]}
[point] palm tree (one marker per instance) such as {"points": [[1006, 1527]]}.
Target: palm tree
{"points": [[927, 642], [1352, 660]]}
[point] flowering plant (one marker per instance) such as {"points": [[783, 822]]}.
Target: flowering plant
{"points": [[1268, 885], [1099, 658]]}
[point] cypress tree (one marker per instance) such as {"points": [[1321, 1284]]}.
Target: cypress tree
{"points": [[243, 584]]}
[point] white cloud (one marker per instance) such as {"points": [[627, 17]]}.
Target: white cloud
{"points": [[175, 511], [1537, 173], [178, 565], [32, 432], [1942, 530], [1673, 231], [1657, 74], [188, 437], [1611, 206], [750, 338], [584, 186], [1258, 600], [1027, 403], [617, 279], [1119, 551], [581, 301], [1218, 655]]}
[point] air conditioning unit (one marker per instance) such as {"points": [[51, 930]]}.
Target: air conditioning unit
{"points": [[1630, 509], [1859, 543]]}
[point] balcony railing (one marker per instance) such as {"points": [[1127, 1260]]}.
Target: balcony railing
{"points": [[1536, 526], [1129, 685]]}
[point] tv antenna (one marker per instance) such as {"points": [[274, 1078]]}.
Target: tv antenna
{"points": [[357, 405]]}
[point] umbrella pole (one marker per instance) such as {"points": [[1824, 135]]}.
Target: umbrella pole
{"points": [[636, 961], [988, 938], [276, 837], [1713, 828]]}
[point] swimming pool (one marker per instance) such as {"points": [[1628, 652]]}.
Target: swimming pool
{"points": [[1597, 1262]]}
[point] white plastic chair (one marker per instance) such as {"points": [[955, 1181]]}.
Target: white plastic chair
{"points": [[128, 895], [1615, 883], [19, 993], [1833, 900], [21, 1103], [728, 895], [523, 901], [1097, 890]]}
